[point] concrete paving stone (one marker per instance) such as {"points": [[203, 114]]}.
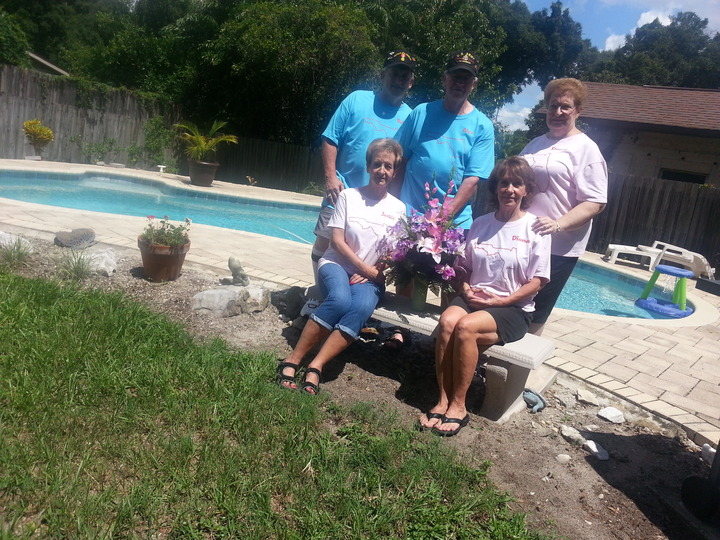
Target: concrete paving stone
{"points": [[569, 367], [665, 385], [667, 410], [685, 418], [586, 362], [619, 372], [600, 379], [613, 385], [711, 399], [611, 336], [706, 370], [627, 392], [562, 345], [594, 324], [578, 339], [642, 397], [711, 437], [584, 373], [682, 379], [709, 387], [710, 345], [684, 351], [659, 343], [631, 345], [691, 405], [555, 362], [596, 352], [641, 385]]}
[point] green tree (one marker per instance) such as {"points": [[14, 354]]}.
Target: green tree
{"points": [[13, 41]]}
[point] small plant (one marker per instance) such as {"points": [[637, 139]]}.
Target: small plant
{"points": [[94, 152], [38, 136], [74, 265], [15, 254], [164, 233], [251, 180], [201, 146]]}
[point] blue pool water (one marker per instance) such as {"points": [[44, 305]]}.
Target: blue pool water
{"points": [[140, 197], [590, 289]]}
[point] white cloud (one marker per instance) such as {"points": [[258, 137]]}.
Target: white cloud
{"points": [[649, 16], [705, 9], [514, 118], [615, 41]]}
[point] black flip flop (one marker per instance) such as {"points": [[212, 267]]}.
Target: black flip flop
{"points": [[445, 420], [430, 416]]}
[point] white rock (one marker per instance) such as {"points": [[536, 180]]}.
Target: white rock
{"points": [[708, 453], [562, 459], [103, 261], [611, 414], [596, 450], [572, 435], [585, 396], [8, 239]]}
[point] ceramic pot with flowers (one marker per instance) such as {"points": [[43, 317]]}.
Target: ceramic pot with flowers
{"points": [[163, 246]]}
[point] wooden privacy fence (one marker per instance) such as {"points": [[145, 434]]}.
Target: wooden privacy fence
{"points": [[641, 210]]}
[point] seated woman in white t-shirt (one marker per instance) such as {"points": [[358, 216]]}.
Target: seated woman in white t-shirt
{"points": [[506, 264], [349, 278]]}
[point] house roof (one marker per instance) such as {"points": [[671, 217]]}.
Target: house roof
{"points": [[41, 64], [654, 106]]}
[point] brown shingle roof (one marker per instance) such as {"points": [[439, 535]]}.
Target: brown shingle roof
{"points": [[687, 108]]}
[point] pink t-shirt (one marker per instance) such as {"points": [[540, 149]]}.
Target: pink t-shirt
{"points": [[567, 172], [504, 256], [365, 222]]}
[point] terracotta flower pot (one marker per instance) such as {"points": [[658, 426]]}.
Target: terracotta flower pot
{"points": [[202, 173], [162, 263]]}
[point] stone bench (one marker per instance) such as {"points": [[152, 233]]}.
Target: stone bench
{"points": [[510, 369]]}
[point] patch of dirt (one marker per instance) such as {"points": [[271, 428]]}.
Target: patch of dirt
{"points": [[633, 495]]}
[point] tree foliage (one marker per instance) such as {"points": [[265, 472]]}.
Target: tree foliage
{"points": [[13, 41]]}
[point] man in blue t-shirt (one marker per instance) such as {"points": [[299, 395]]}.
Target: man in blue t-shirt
{"points": [[362, 117], [448, 139]]}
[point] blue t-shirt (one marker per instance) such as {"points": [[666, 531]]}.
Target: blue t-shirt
{"points": [[439, 144], [361, 118]]}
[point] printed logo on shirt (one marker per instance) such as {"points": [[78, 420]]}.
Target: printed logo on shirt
{"points": [[516, 238], [466, 130]]}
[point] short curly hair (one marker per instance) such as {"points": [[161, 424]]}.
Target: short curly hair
{"points": [[577, 89], [512, 167], [384, 145]]}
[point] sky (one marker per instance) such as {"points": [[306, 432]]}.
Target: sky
{"points": [[606, 23]]}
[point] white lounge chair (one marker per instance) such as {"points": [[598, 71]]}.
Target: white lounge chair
{"points": [[688, 259], [651, 253]]}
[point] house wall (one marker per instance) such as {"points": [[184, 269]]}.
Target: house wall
{"points": [[643, 153]]}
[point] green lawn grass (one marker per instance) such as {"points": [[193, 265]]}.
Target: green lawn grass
{"points": [[115, 423]]}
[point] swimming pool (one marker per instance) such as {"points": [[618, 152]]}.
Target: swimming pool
{"points": [[123, 195], [591, 289]]}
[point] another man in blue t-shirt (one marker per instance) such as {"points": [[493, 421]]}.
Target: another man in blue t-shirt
{"points": [[362, 117], [448, 139]]}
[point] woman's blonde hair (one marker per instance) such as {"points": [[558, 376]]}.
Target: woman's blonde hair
{"points": [[577, 89], [384, 145]]}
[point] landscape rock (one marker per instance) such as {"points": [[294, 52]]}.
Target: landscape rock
{"points": [[572, 435], [596, 450], [239, 277], [75, 239], [563, 459], [708, 453], [611, 414], [103, 262], [231, 300], [587, 397], [7, 240]]}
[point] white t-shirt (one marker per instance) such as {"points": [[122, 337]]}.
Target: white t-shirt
{"points": [[567, 172], [365, 222], [504, 256]]}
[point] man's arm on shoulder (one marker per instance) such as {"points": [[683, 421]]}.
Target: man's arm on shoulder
{"points": [[333, 185], [397, 182]]}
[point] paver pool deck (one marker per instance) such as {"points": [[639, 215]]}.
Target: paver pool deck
{"points": [[671, 368]]}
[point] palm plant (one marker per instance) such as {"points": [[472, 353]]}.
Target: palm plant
{"points": [[201, 146]]}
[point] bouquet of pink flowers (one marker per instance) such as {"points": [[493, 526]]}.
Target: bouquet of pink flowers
{"points": [[426, 247]]}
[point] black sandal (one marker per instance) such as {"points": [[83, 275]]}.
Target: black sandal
{"points": [[312, 388], [282, 378], [394, 344]]}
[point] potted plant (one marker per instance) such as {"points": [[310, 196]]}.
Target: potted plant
{"points": [[200, 148], [38, 136], [163, 246]]}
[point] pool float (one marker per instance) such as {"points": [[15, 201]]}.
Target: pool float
{"points": [[664, 307]]}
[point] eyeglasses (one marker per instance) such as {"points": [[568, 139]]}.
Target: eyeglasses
{"points": [[562, 107]]}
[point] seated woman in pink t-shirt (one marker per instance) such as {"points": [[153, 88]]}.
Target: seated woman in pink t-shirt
{"points": [[506, 264]]}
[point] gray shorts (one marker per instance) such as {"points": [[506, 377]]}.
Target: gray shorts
{"points": [[512, 322], [321, 227]]}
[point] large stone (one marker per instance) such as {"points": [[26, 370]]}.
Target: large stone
{"points": [[611, 414], [8, 240], [572, 435], [103, 261], [231, 300], [76, 239]]}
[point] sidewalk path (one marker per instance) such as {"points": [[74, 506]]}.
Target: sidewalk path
{"points": [[670, 368]]}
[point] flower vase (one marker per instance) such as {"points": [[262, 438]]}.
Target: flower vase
{"points": [[419, 295], [162, 263]]}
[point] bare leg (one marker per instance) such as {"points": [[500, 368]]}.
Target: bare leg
{"points": [[336, 343], [474, 334], [444, 346], [311, 335]]}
